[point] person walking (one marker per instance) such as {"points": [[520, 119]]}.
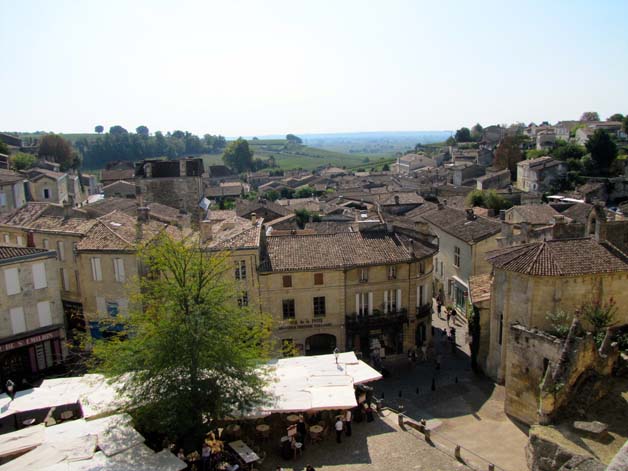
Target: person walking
{"points": [[339, 427], [309, 467], [347, 424]]}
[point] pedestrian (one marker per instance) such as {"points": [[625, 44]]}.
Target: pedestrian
{"points": [[424, 351], [309, 467], [338, 429], [301, 431], [448, 316], [206, 453], [347, 424]]}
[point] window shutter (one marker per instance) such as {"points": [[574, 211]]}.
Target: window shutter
{"points": [[398, 299], [96, 269], [101, 305], [386, 302], [357, 303], [12, 281], [65, 279], [45, 316], [18, 323], [118, 269], [61, 250], [39, 276], [370, 303]]}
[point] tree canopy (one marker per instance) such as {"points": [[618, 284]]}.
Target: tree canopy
{"points": [[463, 135], [99, 129], [476, 132], [291, 138], [508, 153], [55, 148], [616, 117], [566, 151], [238, 156], [22, 160], [192, 352], [117, 130], [602, 149], [4, 149], [590, 116], [142, 131], [489, 199]]}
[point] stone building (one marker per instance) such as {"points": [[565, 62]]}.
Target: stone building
{"points": [[532, 280], [537, 175], [32, 331], [495, 180], [363, 291], [47, 186], [12, 194], [463, 240], [175, 183]]}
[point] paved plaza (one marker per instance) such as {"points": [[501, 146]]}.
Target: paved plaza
{"points": [[464, 410]]}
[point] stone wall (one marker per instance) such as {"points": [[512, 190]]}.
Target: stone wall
{"points": [[176, 192]]}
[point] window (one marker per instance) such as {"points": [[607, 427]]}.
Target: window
{"points": [[319, 306], [65, 279], [243, 299], [12, 281], [421, 268], [501, 328], [61, 250], [43, 311], [457, 257], [20, 240], [392, 272], [74, 249], [240, 270], [364, 303], [364, 275], [287, 281], [46, 193], [288, 308], [18, 324], [39, 276], [112, 309], [3, 199], [442, 270], [318, 278], [118, 270], [96, 270], [46, 243], [421, 295], [7, 239]]}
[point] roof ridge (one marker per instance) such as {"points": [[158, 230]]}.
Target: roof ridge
{"points": [[112, 231], [539, 250]]}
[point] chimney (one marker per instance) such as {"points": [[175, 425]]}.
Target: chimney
{"points": [[470, 215], [182, 168], [206, 231], [67, 208], [397, 200], [502, 214], [440, 206], [445, 202], [253, 218]]}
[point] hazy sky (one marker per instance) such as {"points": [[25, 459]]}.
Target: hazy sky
{"points": [[265, 67]]}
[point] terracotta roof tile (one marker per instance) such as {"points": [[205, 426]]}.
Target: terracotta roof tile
{"points": [[480, 287], [7, 252], [560, 257], [333, 251], [535, 213]]}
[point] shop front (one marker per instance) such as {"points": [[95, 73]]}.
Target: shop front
{"points": [[29, 355]]}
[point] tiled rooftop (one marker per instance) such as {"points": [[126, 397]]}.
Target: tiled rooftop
{"points": [[535, 213], [560, 257], [334, 251], [480, 287], [7, 252], [455, 222]]}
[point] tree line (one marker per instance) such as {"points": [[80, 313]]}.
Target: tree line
{"points": [[119, 144]]}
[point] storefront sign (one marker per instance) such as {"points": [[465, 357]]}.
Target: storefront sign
{"points": [[29, 341]]}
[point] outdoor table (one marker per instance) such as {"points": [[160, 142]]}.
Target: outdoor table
{"points": [[263, 430], [292, 418], [315, 432], [233, 430], [244, 452]]}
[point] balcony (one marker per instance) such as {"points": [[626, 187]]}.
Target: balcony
{"points": [[423, 311], [378, 319]]}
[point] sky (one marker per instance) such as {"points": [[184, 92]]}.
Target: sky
{"points": [[307, 66]]}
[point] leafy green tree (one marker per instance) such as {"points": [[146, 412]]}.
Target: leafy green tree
{"points": [[116, 130], [286, 192], [535, 153], [303, 216], [56, 148], [475, 198], [291, 138], [508, 153], [191, 355], [386, 168], [566, 150], [99, 129], [590, 116], [476, 132], [602, 149], [238, 156], [4, 149], [625, 124], [272, 195], [616, 117], [463, 135], [451, 140], [489, 199], [560, 321], [304, 192], [22, 160], [142, 131]]}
